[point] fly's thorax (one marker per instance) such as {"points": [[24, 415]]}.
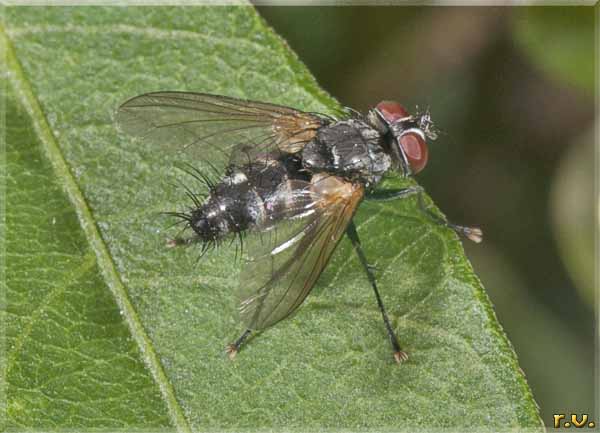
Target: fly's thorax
{"points": [[350, 148]]}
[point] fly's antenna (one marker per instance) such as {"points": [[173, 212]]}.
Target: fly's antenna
{"points": [[426, 124]]}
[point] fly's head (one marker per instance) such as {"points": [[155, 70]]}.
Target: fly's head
{"points": [[406, 134]]}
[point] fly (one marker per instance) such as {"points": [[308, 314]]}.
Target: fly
{"points": [[291, 184]]}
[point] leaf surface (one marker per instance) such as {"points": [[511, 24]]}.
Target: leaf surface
{"points": [[70, 359], [329, 366]]}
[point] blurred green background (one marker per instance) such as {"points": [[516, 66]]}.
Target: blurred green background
{"points": [[512, 90]]}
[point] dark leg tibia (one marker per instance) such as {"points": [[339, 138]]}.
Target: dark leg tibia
{"points": [[394, 194], [472, 233], [234, 347], [399, 354]]}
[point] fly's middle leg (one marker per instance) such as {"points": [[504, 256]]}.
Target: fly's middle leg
{"points": [[399, 354], [472, 233]]}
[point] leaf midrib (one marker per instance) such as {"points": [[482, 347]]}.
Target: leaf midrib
{"points": [[24, 92]]}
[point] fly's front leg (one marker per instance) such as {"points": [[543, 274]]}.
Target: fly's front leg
{"points": [[472, 233], [394, 194], [399, 354]]}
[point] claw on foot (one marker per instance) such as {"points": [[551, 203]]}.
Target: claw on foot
{"points": [[474, 234], [176, 242], [400, 356], [231, 351]]}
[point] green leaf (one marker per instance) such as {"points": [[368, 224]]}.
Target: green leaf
{"points": [[106, 327], [71, 360]]}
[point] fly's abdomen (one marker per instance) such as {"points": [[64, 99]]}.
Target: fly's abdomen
{"points": [[241, 200], [230, 208]]}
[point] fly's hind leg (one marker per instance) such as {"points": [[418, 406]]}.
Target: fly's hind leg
{"points": [[399, 354], [179, 241], [472, 233], [233, 348]]}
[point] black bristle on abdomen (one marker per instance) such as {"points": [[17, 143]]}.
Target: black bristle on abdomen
{"points": [[237, 202], [222, 214]]}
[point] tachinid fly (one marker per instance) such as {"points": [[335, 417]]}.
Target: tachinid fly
{"points": [[291, 184]]}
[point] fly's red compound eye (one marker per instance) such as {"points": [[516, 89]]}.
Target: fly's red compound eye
{"points": [[415, 149], [392, 111]]}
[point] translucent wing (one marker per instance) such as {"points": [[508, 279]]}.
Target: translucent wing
{"points": [[214, 128], [291, 251]]}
